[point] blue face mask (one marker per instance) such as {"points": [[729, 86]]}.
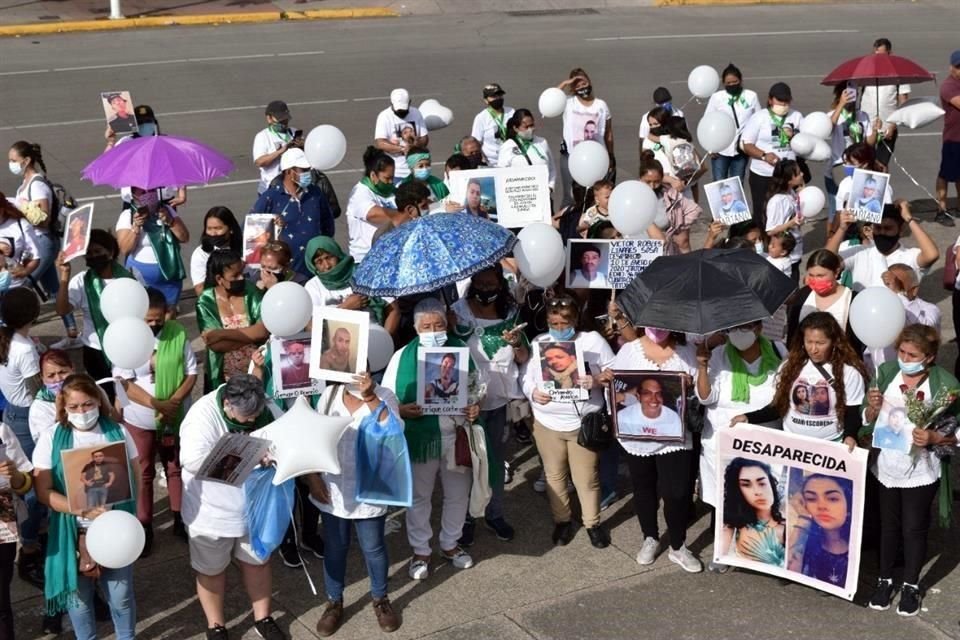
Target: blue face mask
{"points": [[563, 334], [848, 170], [433, 338], [147, 129], [305, 179], [668, 106], [911, 368], [421, 174], [53, 387]]}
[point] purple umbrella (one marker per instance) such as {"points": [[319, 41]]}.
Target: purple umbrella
{"points": [[152, 162]]}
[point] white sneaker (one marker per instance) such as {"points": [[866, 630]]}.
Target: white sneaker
{"points": [[648, 552], [687, 561], [419, 569], [67, 343], [460, 558], [540, 484]]}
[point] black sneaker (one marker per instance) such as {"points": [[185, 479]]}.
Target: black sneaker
{"points": [[147, 541], [290, 555], [219, 632], [500, 527], [909, 600], [268, 629], [52, 625], [507, 473], [562, 533], [467, 533], [882, 594], [313, 544], [30, 568], [599, 537], [179, 529], [946, 220], [522, 433]]}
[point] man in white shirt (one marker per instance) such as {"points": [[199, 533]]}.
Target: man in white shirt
{"points": [[879, 101], [273, 142], [490, 125], [589, 275], [649, 416], [399, 128]]}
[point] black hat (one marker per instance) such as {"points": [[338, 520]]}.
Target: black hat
{"points": [[661, 95], [278, 109], [144, 114], [781, 92], [493, 89]]}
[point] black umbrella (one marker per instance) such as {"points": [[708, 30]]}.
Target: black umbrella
{"points": [[705, 291]]}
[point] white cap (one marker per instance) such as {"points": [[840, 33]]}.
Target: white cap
{"points": [[293, 158], [400, 99]]}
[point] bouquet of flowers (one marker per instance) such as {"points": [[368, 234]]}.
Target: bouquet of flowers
{"points": [[931, 414]]}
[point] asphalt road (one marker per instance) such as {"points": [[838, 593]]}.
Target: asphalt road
{"points": [[212, 83]]}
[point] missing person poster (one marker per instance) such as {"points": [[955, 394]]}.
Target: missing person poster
{"points": [[792, 507], [866, 195], [290, 359], [258, 230], [608, 264], [340, 342], [512, 196], [629, 258], [649, 405], [442, 380], [96, 476], [728, 204], [233, 458], [561, 370], [76, 232]]}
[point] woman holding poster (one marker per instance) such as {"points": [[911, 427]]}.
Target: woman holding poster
{"points": [[522, 148], [909, 481]]}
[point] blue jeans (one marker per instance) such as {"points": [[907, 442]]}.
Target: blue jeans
{"points": [[831, 187], [609, 464], [46, 274], [96, 496], [336, 539], [170, 289], [723, 167], [17, 418], [118, 586], [495, 424]]}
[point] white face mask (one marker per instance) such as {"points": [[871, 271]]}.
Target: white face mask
{"points": [[15, 168], [758, 246], [742, 339], [84, 421], [526, 135], [433, 339], [780, 109]]}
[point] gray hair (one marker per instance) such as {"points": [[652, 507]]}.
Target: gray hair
{"points": [[427, 307], [244, 393]]}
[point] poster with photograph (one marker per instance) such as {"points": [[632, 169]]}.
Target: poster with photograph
{"points": [[893, 429], [118, 109], [649, 405], [290, 362], [340, 339], [96, 476], [728, 203], [512, 196], [561, 369], [587, 264], [628, 259], [443, 380], [9, 516], [866, 195], [792, 507], [76, 232], [233, 458], [258, 230]]}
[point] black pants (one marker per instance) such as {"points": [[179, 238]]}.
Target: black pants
{"points": [[8, 551], [664, 477], [885, 148], [95, 362], [905, 520], [309, 514], [758, 196], [956, 323]]}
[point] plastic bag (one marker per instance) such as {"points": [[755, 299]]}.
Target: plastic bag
{"points": [[384, 474], [269, 510], [916, 113], [480, 491]]}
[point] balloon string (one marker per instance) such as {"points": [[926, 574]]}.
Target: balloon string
{"points": [[911, 178], [689, 100]]}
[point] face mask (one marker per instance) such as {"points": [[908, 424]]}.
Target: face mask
{"points": [[236, 287], [911, 368], [668, 106], [658, 191], [742, 339], [97, 262], [147, 199], [401, 113], [734, 89], [758, 247], [147, 129], [657, 335], [421, 174], [53, 387], [209, 243], [780, 109], [822, 287], [659, 130], [885, 244], [84, 421], [848, 170], [278, 127], [525, 135], [157, 328], [305, 179], [584, 92], [474, 160], [433, 338], [496, 104], [384, 189], [563, 334], [15, 168], [484, 297]]}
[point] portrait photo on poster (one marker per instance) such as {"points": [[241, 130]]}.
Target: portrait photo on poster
{"points": [[442, 379], [258, 230], [12, 511], [232, 459], [562, 369], [588, 263], [728, 203], [96, 476], [754, 506], [893, 429], [76, 232], [118, 110], [649, 405], [290, 364], [513, 197], [340, 341], [866, 195]]}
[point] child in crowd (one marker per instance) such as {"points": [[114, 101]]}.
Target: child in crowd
{"points": [[779, 247], [598, 212]]}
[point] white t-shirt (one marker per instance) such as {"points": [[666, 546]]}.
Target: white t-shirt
{"points": [[866, 264], [663, 152], [781, 208], [43, 416], [77, 296], [764, 134], [389, 127], [485, 130], [895, 469], [503, 374], [264, 143], [579, 117], [34, 191], [843, 193], [538, 152], [631, 420], [888, 99], [840, 138], [645, 126], [921, 312], [740, 109], [145, 417], [784, 265], [323, 297], [198, 266], [813, 402], [580, 281], [361, 232], [10, 447], [143, 252], [840, 309], [23, 362], [22, 237]]}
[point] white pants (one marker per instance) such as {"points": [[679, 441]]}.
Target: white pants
{"points": [[456, 499]]}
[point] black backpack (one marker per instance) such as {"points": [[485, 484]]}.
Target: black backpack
{"points": [[62, 202]]}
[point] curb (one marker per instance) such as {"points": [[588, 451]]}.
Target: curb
{"points": [[729, 3], [78, 26]]}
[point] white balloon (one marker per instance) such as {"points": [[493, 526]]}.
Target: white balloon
{"points": [[812, 201], [632, 206], [435, 115], [128, 343], [716, 131], [429, 103], [803, 144], [325, 147], [821, 152], [589, 162], [286, 309], [817, 124], [552, 102], [123, 298], [538, 250], [917, 112], [877, 317], [379, 349], [115, 539], [703, 81]]}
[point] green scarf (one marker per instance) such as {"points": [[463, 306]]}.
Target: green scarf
{"points": [[208, 317], [169, 370], [382, 189], [423, 433], [491, 337], [778, 122], [437, 188], [854, 127], [45, 395], [340, 276], [60, 586], [167, 249], [526, 145], [93, 286], [265, 418], [742, 379], [499, 119]]}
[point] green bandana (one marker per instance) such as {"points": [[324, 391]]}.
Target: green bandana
{"points": [[491, 338], [45, 395], [93, 286], [382, 189], [527, 145], [854, 127], [778, 122], [414, 158], [169, 371], [265, 418], [339, 277], [208, 317], [167, 249], [498, 119], [743, 380]]}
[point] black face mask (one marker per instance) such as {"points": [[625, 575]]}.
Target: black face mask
{"points": [[496, 104], [658, 131], [208, 243], [484, 297], [236, 287], [97, 262], [658, 191], [734, 89], [157, 328], [475, 160], [584, 92], [401, 113], [885, 244]]}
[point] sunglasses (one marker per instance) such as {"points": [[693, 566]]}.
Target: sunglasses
{"points": [[560, 302]]}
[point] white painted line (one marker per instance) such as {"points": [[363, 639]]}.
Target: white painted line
{"points": [[147, 63], [748, 78], [300, 53], [24, 73], [922, 134], [371, 99], [676, 36]]}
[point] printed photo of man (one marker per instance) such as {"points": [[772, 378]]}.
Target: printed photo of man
{"points": [[296, 371], [649, 416], [337, 357], [97, 477]]}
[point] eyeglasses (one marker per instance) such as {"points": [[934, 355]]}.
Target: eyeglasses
{"points": [[560, 302]]}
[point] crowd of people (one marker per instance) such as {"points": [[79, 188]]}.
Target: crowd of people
{"points": [[57, 401]]}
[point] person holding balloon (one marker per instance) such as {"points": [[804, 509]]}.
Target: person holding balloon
{"points": [[850, 126], [822, 291], [739, 103]]}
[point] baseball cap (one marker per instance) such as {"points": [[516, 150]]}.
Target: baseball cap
{"points": [[493, 89], [955, 58], [400, 99], [781, 91], [293, 158], [278, 109], [144, 113], [661, 95]]}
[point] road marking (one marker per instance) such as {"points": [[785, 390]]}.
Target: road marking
{"points": [[722, 35], [922, 134], [371, 99], [147, 63], [800, 77]]}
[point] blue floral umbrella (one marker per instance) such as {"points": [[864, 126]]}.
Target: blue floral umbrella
{"points": [[429, 253]]}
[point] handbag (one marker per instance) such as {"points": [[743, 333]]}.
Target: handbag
{"points": [[595, 432], [461, 447], [86, 566], [950, 269]]}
